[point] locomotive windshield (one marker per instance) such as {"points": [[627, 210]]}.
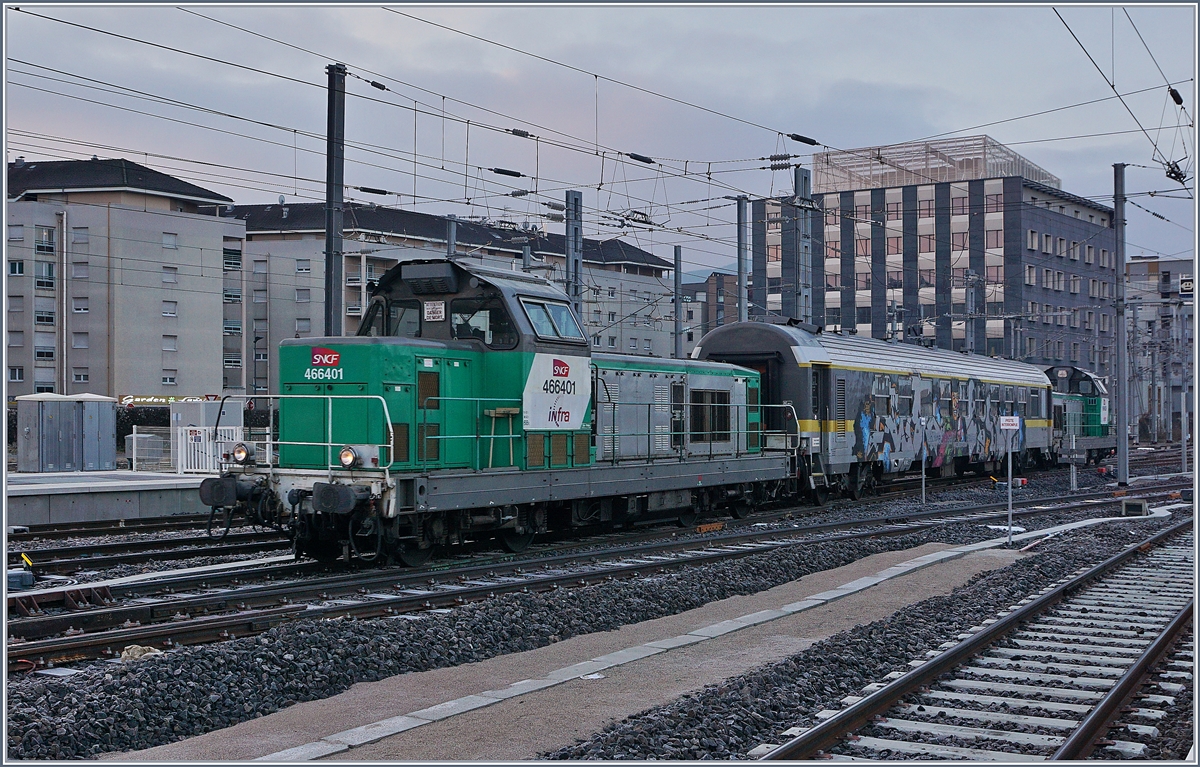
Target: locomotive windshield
{"points": [[552, 320], [483, 319], [401, 319]]}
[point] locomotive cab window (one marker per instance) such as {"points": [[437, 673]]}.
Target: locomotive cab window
{"points": [[552, 320], [483, 319], [404, 319]]}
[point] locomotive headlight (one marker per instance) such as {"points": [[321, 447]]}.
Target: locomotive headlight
{"points": [[243, 453], [349, 457]]}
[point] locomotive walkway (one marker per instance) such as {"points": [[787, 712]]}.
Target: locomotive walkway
{"points": [[576, 687]]}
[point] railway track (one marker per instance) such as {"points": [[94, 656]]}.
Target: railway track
{"points": [[91, 622], [1047, 679], [97, 556], [106, 527]]}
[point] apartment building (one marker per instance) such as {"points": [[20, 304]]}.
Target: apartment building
{"points": [[964, 244], [114, 280], [1160, 317], [626, 291]]}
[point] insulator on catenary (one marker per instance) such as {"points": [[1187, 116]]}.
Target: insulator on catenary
{"points": [[555, 205], [518, 193], [1175, 96], [372, 190], [640, 158], [554, 216], [802, 139], [519, 132], [507, 172], [780, 165], [378, 85], [779, 157]]}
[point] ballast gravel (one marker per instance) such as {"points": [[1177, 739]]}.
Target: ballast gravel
{"points": [[163, 698], [727, 720]]}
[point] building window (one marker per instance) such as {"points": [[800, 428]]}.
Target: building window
{"points": [[16, 374], [170, 343], [79, 270], [79, 340], [260, 296], [691, 315], [260, 267], [1047, 244], [43, 353], [79, 375], [689, 336], [232, 328], [1032, 241], [893, 211], [170, 240], [1089, 320], [1074, 352], [231, 259], [303, 325], [233, 360], [43, 387], [862, 280], [1075, 318], [1061, 251], [612, 316], [170, 308], [16, 232], [16, 338], [168, 377], [1031, 275], [833, 249], [926, 278], [43, 274], [1104, 320], [1030, 346], [1104, 259], [261, 357], [862, 247], [79, 305], [16, 268], [925, 208], [43, 316], [612, 342], [959, 240], [79, 235], [1060, 318], [633, 344], [926, 243], [232, 295], [44, 240], [1073, 251], [894, 246], [16, 303], [1075, 283], [864, 315], [831, 217], [646, 345], [302, 295], [993, 203], [1089, 255], [1047, 279], [959, 206], [612, 292], [994, 239], [260, 326], [1058, 281], [862, 213], [170, 274]]}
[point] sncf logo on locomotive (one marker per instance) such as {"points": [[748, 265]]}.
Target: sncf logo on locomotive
{"points": [[561, 369], [322, 357]]}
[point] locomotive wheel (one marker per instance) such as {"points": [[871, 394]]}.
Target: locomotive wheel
{"points": [[366, 538], [514, 542], [741, 508], [687, 518], [819, 495], [410, 554], [856, 485]]}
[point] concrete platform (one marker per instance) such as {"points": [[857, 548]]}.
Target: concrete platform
{"points": [[73, 496]]}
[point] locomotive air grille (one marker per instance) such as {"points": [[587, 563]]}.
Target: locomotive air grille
{"points": [[662, 438], [583, 448], [427, 390], [840, 405], [535, 445], [558, 449], [400, 442], [662, 398], [428, 449]]}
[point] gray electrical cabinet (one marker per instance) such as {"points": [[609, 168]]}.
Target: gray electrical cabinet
{"points": [[57, 432]]}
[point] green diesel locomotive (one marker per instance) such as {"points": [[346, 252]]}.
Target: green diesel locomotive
{"points": [[470, 406]]}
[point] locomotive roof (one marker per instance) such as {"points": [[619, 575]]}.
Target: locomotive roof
{"points": [[510, 283], [872, 354]]}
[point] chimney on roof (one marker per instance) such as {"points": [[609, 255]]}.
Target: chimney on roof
{"points": [[19, 163]]}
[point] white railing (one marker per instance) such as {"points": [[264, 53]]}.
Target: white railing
{"points": [[199, 448]]}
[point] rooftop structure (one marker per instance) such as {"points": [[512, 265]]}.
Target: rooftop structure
{"points": [[968, 158]]}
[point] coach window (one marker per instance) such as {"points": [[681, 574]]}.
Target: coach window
{"points": [[483, 319]]}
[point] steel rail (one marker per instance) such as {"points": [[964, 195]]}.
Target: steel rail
{"points": [[92, 609], [49, 556], [104, 527], [810, 743], [209, 550], [1080, 743], [104, 615]]}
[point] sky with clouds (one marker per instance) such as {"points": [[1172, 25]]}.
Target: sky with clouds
{"points": [[242, 111]]}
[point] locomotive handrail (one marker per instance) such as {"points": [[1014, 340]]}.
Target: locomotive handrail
{"points": [[271, 444], [422, 405]]}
